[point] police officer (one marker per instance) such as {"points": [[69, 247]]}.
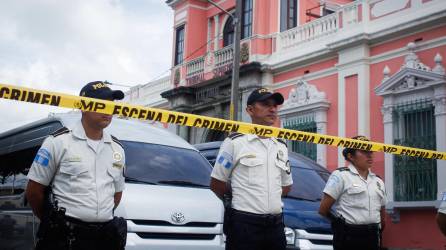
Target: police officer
{"points": [[84, 168], [441, 216], [360, 197], [259, 174]]}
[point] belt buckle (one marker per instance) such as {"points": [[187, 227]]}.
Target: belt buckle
{"points": [[270, 219]]}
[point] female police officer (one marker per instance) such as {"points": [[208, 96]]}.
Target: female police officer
{"points": [[360, 197]]}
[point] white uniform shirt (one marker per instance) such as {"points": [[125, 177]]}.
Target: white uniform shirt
{"points": [[358, 200], [442, 208], [85, 180], [257, 170]]}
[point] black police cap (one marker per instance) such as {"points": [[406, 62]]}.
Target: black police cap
{"points": [[263, 94], [100, 90]]}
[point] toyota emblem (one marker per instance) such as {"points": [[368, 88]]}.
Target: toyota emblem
{"points": [[178, 218]]}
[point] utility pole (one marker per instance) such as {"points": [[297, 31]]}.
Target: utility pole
{"points": [[233, 108], [236, 22]]}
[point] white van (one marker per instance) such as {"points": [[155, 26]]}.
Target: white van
{"points": [[167, 201]]}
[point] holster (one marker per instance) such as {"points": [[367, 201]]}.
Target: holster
{"points": [[52, 228], [116, 233], [227, 203], [338, 227]]}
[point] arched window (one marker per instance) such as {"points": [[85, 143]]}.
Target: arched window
{"points": [[228, 33]]}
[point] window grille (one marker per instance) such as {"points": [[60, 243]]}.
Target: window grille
{"points": [[306, 124], [415, 179]]}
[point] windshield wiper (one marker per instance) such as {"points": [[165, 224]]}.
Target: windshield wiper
{"points": [[134, 180], [181, 183]]}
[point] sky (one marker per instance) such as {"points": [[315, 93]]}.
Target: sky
{"points": [[62, 45]]}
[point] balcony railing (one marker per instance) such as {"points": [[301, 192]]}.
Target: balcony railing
{"points": [[322, 27], [223, 56], [195, 67], [312, 30]]}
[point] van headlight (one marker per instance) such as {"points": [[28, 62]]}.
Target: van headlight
{"points": [[290, 236]]}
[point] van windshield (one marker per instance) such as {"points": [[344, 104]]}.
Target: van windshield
{"points": [[165, 165]]}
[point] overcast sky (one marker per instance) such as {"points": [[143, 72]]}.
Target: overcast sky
{"points": [[60, 45]]}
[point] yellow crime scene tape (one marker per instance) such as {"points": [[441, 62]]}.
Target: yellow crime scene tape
{"points": [[184, 119]]}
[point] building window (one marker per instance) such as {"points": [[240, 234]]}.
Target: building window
{"points": [[415, 179], [288, 14], [179, 45], [306, 124], [228, 33], [246, 19]]}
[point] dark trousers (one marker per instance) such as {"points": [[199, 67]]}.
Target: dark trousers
{"points": [[352, 237], [78, 235], [248, 231]]}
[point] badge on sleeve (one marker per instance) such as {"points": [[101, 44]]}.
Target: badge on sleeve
{"points": [[225, 160], [288, 167], [117, 156], [333, 181], [43, 157]]}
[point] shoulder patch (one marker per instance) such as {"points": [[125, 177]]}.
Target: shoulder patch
{"points": [[60, 131], [343, 169], [282, 141], [117, 141], [234, 135]]}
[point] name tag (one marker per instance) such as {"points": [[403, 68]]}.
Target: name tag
{"points": [[117, 165], [74, 159]]}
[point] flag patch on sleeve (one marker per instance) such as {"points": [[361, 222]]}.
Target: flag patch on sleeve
{"points": [[43, 157], [225, 160]]}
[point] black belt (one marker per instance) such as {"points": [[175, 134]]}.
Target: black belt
{"points": [[84, 225], [362, 229], [257, 219]]}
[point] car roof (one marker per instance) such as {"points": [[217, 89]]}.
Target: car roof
{"points": [[307, 161], [123, 129]]}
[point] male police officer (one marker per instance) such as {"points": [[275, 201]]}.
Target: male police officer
{"points": [[360, 198], [84, 168], [441, 216], [260, 174]]}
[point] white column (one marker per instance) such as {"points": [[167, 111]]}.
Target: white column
{"points": [[440, 121], [217, 31], [209, 45], [388, 158], [320, 118], [341, 115]]}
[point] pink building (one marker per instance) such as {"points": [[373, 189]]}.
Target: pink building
{"points": [[370, 67]]}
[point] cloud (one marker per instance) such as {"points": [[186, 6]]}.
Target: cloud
{"points": [[61, 45]]}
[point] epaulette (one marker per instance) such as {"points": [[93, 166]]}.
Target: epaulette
{"points": [[234, 135], [378, 176], [282, 141], [343, 169], [60, 131], [117, 141]]}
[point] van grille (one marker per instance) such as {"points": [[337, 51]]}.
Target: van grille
{"points": [[176, 236], [319, 231], [321, 242], [166, 223]]}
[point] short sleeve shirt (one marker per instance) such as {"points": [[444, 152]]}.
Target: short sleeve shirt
{"points": [[442, 208], [358, 200], [84, 180], [257, 169]]}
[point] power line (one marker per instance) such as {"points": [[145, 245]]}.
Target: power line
{"points": [[190, 55]]}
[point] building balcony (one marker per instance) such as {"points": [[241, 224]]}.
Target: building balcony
{"points": [[213, 64], [362, 21]]}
